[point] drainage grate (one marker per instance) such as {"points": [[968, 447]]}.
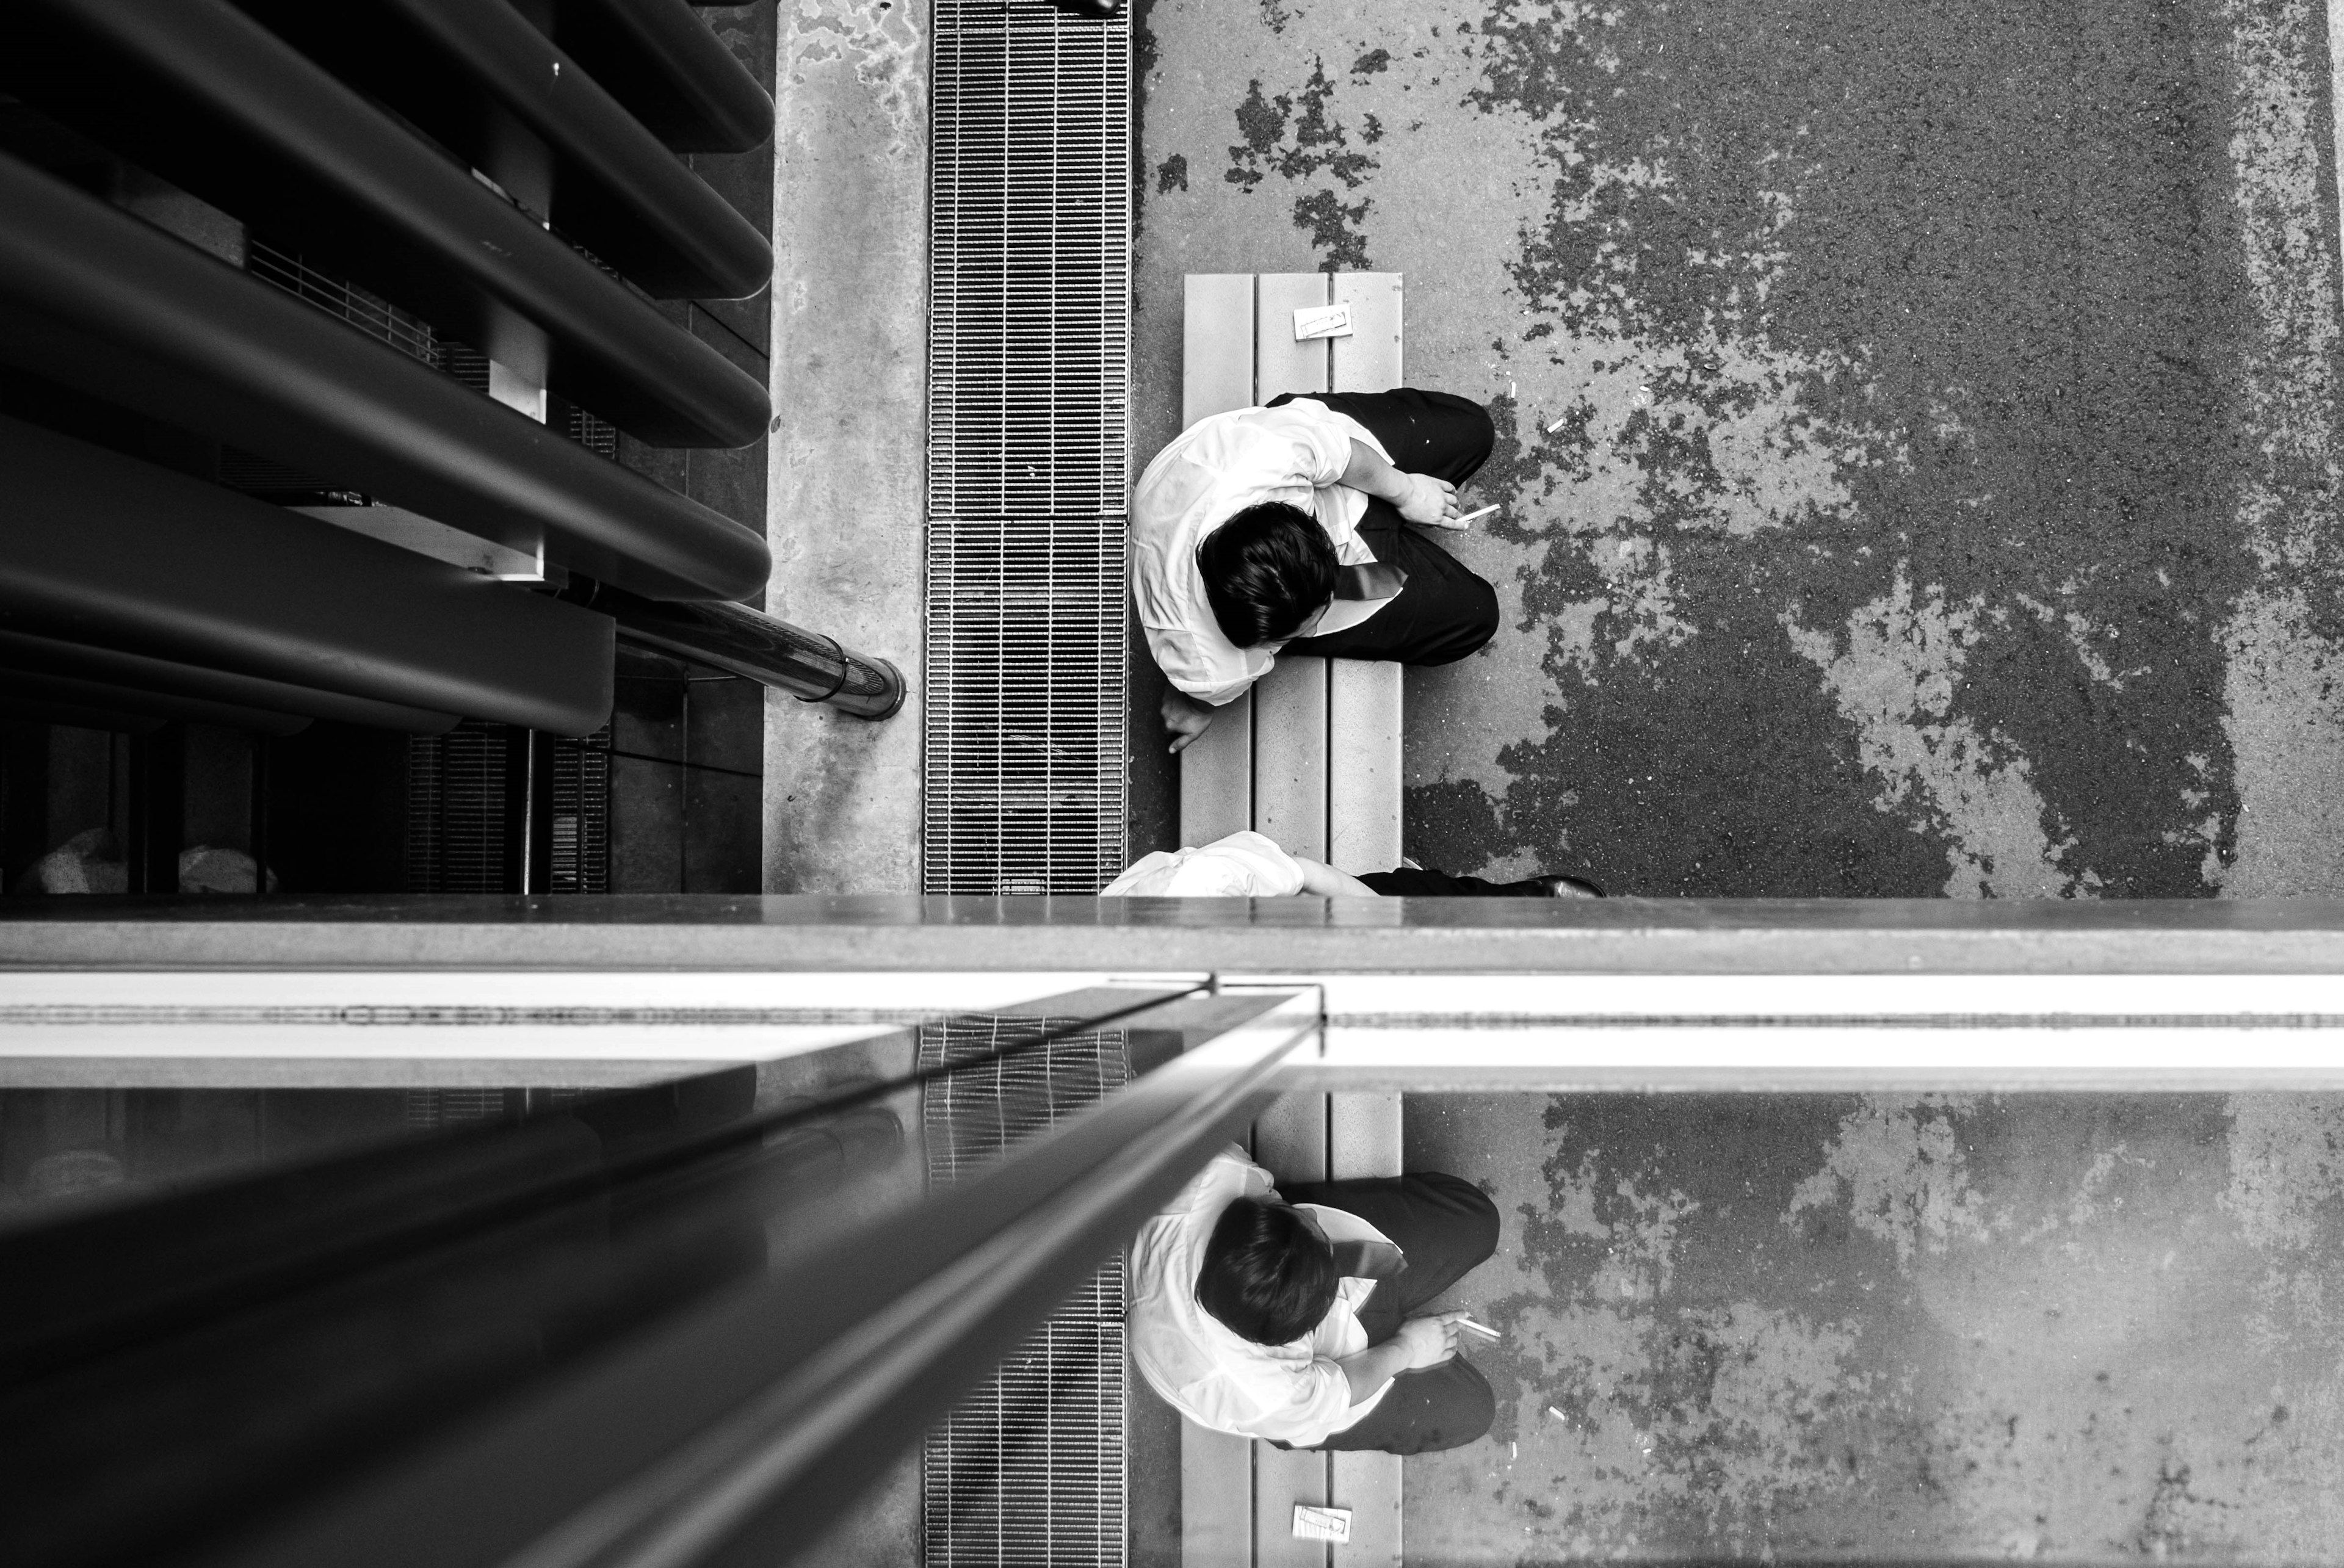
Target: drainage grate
{"points": [[1029, 378], [1029, 1468], [459, 832]]}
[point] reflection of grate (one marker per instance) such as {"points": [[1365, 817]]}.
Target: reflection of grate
{"points": [[1029, 1469], [597, 436], [581, 859], [466, 365], [453, 1108], [457, 827], [266, 477], [1028, 430], [465, 809]]}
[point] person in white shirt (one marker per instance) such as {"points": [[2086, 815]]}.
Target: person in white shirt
{"points": [[1299, 1318], [1287, 529], [1249, 865]]}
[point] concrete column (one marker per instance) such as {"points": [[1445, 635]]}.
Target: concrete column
{"points": [[847, 491]]}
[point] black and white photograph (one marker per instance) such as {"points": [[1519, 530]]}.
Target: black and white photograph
{"points": [[1171, 784]]}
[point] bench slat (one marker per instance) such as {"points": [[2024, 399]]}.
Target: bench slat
{"points": [[1289, 756], [1363, 1138], [1281, 364], [1363, 787], [1369, 360], [1216, 776], [1215, 1477], [1216, 345]]}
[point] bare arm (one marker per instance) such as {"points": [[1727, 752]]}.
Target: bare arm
{"points": [[1419, 498], [1424, 1342], [1329, 883], [1184, 717]]}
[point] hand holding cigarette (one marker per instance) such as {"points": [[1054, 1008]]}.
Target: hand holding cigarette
{"points": [[1458, 524]]}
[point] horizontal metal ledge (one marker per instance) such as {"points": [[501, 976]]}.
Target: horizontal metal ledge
{"points": [[203, 96], [450, 65], [817, 933], [670, 70], [112, 552], [164, 677], [96, 299], [69, 691]]}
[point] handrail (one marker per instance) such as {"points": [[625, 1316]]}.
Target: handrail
{"points": [[630, 1327]]}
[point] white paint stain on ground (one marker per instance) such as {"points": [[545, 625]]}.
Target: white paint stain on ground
{"points": [[1895, 672], [1898, 1166], [2286, 722]]}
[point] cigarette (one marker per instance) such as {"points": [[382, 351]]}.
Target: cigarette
{"points": [[1558, 424], [1480, 1329], [1471, 515]]}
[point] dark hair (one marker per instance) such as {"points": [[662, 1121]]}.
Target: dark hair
{"points": [[1267, 1275], [1265, 571]]}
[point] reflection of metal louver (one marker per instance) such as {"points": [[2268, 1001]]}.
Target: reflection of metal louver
{"points": [[1029, 439], [1030, 1467]]}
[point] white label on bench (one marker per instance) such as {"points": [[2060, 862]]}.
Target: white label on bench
{"points": [[1313, 1523], [1322, 321]]}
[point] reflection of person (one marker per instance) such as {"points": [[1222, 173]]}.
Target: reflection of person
{"points": [[1248, 866], [1282, 529], [1298, 1317]]}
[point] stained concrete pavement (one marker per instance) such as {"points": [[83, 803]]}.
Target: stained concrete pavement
{"points": [[2068, 1328], [1914, 465]]}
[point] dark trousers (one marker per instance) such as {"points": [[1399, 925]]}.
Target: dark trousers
{"points": [[1411, 882], [1443, 611], [1446, 1228]]}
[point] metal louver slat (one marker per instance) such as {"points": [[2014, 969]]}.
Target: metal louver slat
{"points": [[1029, 389]]}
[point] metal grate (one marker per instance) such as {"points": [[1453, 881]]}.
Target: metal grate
{"points": [[457, 813], [581, 857], [1030, 1468], [1029, 375]]}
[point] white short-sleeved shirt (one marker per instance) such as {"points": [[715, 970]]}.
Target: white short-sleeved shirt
{"points": [[1241, 865], [1219, 467], [1294, 1393]]}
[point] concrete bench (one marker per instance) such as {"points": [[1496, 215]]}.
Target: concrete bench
{"points": [[1301, 1137], [1264, 763]]}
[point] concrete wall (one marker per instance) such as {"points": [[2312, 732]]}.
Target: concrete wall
{"points": [[848, 478]]}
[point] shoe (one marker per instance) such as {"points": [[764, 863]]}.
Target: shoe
{"points": [[1560, 886]]}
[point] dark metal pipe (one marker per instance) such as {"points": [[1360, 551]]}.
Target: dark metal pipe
{"points": [[808, 665]]}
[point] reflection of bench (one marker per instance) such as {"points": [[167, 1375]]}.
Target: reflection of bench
{"points": [[1264, 763], [1301, 1137]]}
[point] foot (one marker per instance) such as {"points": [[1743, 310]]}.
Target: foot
{"points": [[1558, 886]]}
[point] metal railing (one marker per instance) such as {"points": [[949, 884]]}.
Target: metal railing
{"points": [[631, 1328]]}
